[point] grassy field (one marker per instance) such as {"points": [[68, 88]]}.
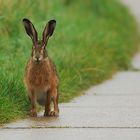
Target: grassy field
{"points": [[93, 39]]}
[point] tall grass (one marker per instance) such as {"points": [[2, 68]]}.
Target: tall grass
{"points": [[93, 39]]}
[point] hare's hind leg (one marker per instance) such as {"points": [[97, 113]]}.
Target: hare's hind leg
{"points": [[55, 97], [32, 97]]}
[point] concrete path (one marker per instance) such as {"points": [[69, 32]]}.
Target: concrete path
{"points": [[109, 111]]}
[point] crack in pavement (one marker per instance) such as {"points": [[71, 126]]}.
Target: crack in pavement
{"points": [[73, 127]]}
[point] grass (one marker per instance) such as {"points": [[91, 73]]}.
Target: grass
{"points": [[93, 39]]}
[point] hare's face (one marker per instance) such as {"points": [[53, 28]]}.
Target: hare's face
{"points": [[39, 53]]}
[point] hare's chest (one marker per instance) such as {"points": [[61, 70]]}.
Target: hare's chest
{"points": [[39, 77], [40, 80]]}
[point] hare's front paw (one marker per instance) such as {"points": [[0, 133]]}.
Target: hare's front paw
{"points": [[54, 113], [33, 113]]}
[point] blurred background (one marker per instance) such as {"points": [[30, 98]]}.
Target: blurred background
{"points": [[93, 39]]}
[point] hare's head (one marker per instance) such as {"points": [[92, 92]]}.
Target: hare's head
{"points": [[39, 52]]}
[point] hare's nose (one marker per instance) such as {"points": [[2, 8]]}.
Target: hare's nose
{"points": [[37, 59]]}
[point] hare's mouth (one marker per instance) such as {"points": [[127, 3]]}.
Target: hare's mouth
{"points": [[37, 60]]}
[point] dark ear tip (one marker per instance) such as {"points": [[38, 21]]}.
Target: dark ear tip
{"points": [[26, 20], [53, 21]]}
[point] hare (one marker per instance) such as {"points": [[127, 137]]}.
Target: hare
{"points": [[41, 79]]}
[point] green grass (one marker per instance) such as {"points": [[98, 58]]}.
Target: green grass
{"points": [[93, 39]]}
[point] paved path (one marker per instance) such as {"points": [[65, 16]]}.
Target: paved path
{"points": [[109, 111]]}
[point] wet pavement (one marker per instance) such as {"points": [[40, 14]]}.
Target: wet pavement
{"points": [[109, 111]]}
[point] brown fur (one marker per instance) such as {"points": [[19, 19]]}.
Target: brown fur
{"points": [[40, 77]]}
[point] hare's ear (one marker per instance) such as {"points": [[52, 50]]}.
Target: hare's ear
{"points": [[48, 31], [30, 30]]}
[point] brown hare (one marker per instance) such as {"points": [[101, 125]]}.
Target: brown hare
{"points": [[40, 77]]}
